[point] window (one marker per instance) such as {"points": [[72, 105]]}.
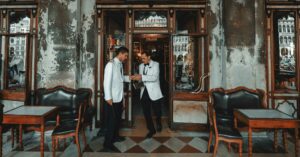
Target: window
{"points": [[115, 32], [188, 53], [150, 19], [285, 52]]}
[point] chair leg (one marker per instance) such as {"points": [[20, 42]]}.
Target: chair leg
{"points": [[229, 147], [56, 143], [216, 148], [65, 143], [78, 145], [84, 137], [209, 141], [284, 134], [12, 131], [53, 146], [240, 148]]}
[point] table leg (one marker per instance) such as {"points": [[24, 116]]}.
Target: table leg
{"points": [[0, 140], [284, 136], [249, 142], [275, 140], [296, 142], [21, 136], [42, 139]]}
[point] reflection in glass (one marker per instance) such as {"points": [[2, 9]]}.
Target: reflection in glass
{"points": [[185, 58], [285, 59], [150, 19], [19, 24], [186, 21], [115, 33]]}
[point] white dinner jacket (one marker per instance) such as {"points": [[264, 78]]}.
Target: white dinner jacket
{"points": [[114, 81], [151, 80]]}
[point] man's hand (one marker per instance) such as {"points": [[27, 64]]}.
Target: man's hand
{"points": [[137, 77], [110, 102]]}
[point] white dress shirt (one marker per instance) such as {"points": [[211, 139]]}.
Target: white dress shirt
{"points": [[114, 81], [150, 78]]}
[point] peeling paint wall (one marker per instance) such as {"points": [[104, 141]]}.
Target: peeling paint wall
{"points": [[66, 43], [237, 43], [88, 44], [216, 43]]}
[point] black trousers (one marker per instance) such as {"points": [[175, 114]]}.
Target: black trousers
{"points": [[113, 115], [147, 103]]}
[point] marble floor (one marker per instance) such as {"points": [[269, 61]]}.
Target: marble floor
{"points": [[168, 143]]}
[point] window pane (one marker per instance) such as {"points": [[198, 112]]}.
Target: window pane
{"points": [[285, 57], [115, 29], [186, 21], [16, 62], [150, 19], [19, 22], [186, 59]]}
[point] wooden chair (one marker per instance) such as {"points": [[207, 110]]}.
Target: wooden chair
{"points": [[71, 129], [226, 134]]}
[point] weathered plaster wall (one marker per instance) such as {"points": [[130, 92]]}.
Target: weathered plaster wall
{"points": [[236, 43], [216, 43], [66, 43], [88, 44]]}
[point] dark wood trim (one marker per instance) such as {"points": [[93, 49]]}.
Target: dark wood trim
{"points": [[190, 97], [274, 94], [12, 95], [151, 2]]}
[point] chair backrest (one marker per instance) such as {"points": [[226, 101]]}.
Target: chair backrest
{"points": [[67, 99], [1, 113], [225, 101], [81, 116]]}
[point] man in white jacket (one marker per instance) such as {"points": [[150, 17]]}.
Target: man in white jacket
{"points": [[151, 95], [113, 94]]}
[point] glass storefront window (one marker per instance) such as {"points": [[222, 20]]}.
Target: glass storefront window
{"points": [[186, 62], [115, 29], [19, 27], [285, 55]]}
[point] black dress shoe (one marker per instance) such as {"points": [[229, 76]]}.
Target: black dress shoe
{"points": [[150, 134], [119, 139], [159, 128], [110, 149]]}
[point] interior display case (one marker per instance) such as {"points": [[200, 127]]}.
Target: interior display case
{"points": [[186, 62], [115, 36]]}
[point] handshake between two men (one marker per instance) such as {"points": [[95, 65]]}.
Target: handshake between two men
{"points": [[136, 77]]}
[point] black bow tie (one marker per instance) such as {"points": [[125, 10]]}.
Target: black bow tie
{"points": [[146, 64]]}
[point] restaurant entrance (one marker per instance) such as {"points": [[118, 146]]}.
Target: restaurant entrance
{"points": [[158, 45]]}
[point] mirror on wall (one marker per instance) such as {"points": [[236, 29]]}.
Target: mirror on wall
{"points": [[284, 54]]}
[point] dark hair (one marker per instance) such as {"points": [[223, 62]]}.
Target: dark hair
{"points": [[122, 49], [147, 53]]}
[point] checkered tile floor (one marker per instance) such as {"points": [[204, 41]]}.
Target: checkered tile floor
{"points": [[158, 145], [155, 145]]}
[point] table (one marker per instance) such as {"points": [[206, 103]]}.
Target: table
{"points": [[29, 115], [266, 119]]}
